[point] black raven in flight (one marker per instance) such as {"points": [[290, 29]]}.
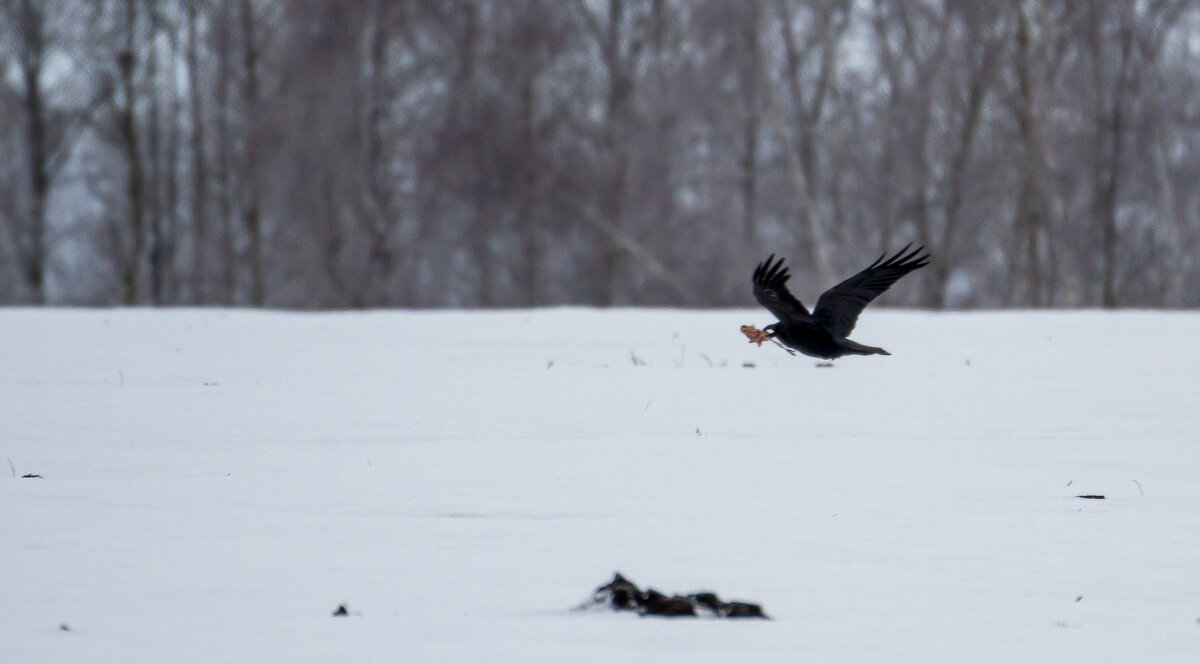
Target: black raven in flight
{"points": [[823, 332]]}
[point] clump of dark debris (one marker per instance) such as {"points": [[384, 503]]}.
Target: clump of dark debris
{"points": [[621, 594]]}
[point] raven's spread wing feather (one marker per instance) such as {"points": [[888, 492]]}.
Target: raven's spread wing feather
{"points": [[838, 308], [770, 289]]}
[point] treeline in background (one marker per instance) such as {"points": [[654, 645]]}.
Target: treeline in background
{"points": [[363, 153]]}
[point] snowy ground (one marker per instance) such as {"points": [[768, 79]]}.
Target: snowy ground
{"points": [[216, 483]]}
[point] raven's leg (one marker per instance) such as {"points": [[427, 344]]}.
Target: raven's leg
{"points": [[770, 330]]}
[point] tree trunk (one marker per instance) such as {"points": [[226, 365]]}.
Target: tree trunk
{"points": [[170, 202], [483, 222], [1175, 284], [751, 81], [154, 150], [126, 62], [527, 192], [1112, 133], [1030, 209], [199, 163], [889, 173], [32, 248], [978, 49], [379, 218], [224, 160], [801, 145], [251, 214], [615, 160]]}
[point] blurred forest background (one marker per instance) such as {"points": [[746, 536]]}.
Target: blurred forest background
{"points": [[363, 153]]}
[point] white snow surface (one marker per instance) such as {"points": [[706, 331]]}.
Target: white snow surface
{"points": [[215, 483]]}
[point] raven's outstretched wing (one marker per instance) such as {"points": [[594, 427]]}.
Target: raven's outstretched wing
{"points": [[838, 308], [771, 291]]}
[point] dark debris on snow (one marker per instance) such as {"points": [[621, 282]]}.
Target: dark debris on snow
{"points": [[621, 594]]}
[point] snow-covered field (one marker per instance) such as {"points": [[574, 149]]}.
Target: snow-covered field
{"points": [[216, 483]]}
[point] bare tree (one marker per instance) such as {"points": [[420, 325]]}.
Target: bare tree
{"points": [[914, 41], [251, 139], [981, 41], [381, 216], [620, 48], [167, 229], [200, 221], [131, 144], [154, 175], [31, 244], [1153, 49], [1109, 117], [484, 153], [222, 43], [751, 75], [1031, 206], [807, 99]]}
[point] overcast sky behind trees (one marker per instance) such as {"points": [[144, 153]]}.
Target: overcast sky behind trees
{"points": [[342, 153]]}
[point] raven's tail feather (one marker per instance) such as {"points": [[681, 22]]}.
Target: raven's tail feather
{"points": [[855, 348]]}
